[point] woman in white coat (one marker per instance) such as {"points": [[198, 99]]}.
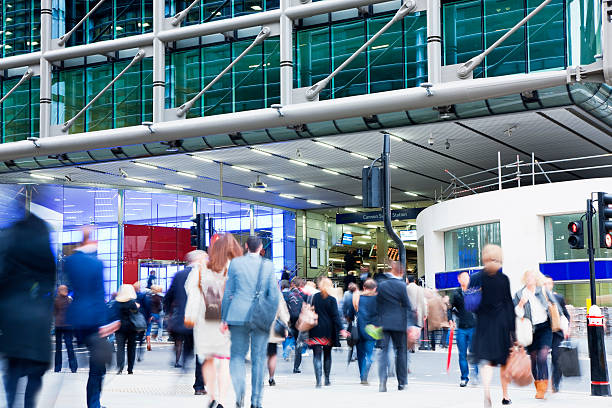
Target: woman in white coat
{"points": [[205, 287], [282, 314]]}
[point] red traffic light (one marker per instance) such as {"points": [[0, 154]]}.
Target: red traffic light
{"points": [[608, 240], [575, 227]]}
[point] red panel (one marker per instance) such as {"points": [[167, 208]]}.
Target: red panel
{"points": [[184, 243], [130, 271], [137, 242]]}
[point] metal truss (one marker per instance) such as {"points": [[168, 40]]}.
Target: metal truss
{"points": [[294, 109]]}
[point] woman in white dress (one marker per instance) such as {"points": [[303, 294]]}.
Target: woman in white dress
{"points": [[205, 286]]}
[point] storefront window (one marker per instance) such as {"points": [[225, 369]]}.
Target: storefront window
{"points": [[463, 246], [557, 248]]}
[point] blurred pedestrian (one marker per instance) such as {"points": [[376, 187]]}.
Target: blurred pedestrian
{"points": [[151, 279], [532, 302], [367, 319], [27, 281], [395, 315], [238, 300], [495, 321], [285, 274], [175, 303], [205, 286], [416, 294], [294, 300], [156, 303], [63, 332], [326, 334], [125, 306], [465, 324], [143, 298], [348, 313], [558, 336], [282, 315], [88, 314]]}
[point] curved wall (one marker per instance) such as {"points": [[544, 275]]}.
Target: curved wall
{"points": [[520, 212]]}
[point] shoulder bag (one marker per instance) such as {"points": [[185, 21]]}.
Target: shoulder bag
{"points": [[553, 313], [138, 321], [263, 311], [518, 367], [308, 317], [524, 331]]}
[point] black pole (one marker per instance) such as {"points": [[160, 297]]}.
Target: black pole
{"points": [[386, 209], [600, 385]]}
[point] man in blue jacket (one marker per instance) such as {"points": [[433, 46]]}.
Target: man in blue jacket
{"points": [[88, 314], [395, 316], [237, 302]]}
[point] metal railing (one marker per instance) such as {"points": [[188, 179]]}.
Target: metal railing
{"points": [[517, 173]]}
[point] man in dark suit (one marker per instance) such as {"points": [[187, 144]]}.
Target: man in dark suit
{"points": [[175, 302], [395, 316]]}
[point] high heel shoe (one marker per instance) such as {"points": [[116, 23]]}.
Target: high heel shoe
{"points": [[213, 404]]}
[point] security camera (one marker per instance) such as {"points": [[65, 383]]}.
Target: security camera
{"points": [[430, 141], [123, 173], [447, 144]]}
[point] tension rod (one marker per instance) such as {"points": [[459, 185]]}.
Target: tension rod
{"points": [[64, 38], [139, 55], [26, 75], [404, 10], [464, 71], [178, 17], [184, 108]]}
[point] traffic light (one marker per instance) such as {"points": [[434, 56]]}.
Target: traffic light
{"points": [[604, 213], [197, 231], [576, 235]]}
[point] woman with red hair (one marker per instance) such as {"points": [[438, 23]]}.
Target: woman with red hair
{"points": [[205, 287]]}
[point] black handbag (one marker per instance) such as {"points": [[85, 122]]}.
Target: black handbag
{"points": [[138, 321], [263, 310], [568, 360]]}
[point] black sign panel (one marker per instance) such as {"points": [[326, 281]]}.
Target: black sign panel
{"points": [[376, 216]]}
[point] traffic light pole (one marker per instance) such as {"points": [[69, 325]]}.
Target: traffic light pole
{"points": [[386, 209], [600, 385]]}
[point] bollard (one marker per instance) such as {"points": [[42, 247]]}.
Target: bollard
{"points": [[600, 385]]}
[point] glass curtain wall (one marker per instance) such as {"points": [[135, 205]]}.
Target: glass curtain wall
{"points": [[463, 246], [556, 232], [211, 10], [20, 27]]}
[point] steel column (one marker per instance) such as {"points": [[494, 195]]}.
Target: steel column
{"points": [[159, 62], [286, 54], [434, 42], [45, 69]]}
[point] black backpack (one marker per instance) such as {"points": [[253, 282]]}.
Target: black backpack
{"points": [[294, 304]]}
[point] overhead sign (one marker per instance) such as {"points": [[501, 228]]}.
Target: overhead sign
{"points": [[408, 235], [376, 216]]}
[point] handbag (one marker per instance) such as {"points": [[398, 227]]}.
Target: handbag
{"points": [[280, 328], [524, 331], [308, 318], [354, 337], [518, 367], [553, 312], [263, 310], [568, 359], [138, 321]]}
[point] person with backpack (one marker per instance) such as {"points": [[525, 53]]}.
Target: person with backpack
{"points": [[295, 300], [205, 287]]}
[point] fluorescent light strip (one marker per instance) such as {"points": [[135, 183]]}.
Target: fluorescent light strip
{"points": [[371, 226], [316, 202], [361, 156], [261, 152], [145, 165], [168, 205], [173, 187], [287, 196], [203, 159], [358, 197], [324, 144], [397, 139], [393, 166], [241, 168], [396, 206], [139, 198], [257, 190], [275, 177], [351, 210], [135, 180], [182, 173], [42, 176], [299, 163], [410, 193], [74, 212], [335, 173], [307, 185]]}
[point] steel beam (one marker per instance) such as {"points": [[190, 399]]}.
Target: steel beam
{"points": [[286, 54], [45, 69], [327, 6], [20, 61], [292, 115], [434, 42], [100, 47], [159, 62]]}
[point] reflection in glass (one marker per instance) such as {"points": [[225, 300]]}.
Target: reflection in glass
{"points": [[463, 246]]}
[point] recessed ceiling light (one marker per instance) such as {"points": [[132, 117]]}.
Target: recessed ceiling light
{"points": [[261, 152], [287, 196], [371, 226], [307, 185], [410, 193], [74, 212], [328, 171], [204, 159], [361, 156], [358, 197], [173, 187], [299, 163], [241, 168], [275, 177], [145, 165], [41, 176], [135, 180], [257, 190], [316, 202], [182, 173], [256, 8], [324, 144], [393, 166]]}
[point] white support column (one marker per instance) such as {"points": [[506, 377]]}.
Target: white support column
{"points": [[434, 42], [286, 54], [159, 63], [45, 69]]}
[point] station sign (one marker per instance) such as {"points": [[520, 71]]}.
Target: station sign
{"points": [[377, 216]]}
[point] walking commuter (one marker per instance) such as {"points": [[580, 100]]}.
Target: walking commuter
{"points": [[326, 334], [348, 313], [465, 325], [367, 315], [175, 303], [416, 294], [63, 332], [294, 300], [242, 282], [88, 314], [125, 306], [395, 315], [27, 280], [205, 286], [156, 303], [282, 315], [494, 321], [558, 336], [143, 298], [532, 302], [151, 279]]}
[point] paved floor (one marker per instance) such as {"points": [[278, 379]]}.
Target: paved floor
{"points": [[156, 383]]}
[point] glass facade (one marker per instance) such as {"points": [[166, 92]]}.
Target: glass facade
{"points": [[557, 248], [565, 32], [463, 246], [140, 231]]}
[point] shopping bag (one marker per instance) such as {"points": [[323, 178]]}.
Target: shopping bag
{"points": [[518, 367], [568, 359], [524, 331]]}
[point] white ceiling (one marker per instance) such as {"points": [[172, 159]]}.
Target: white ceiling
{"points": [[551, 134]]}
